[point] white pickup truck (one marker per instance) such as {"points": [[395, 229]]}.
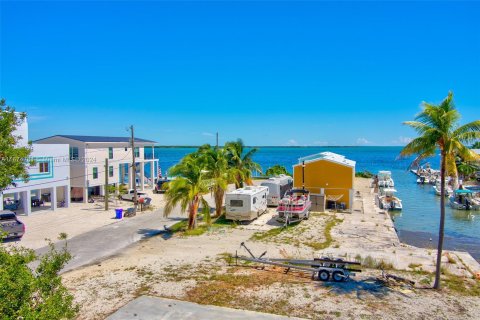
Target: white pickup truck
{"points": [[129, 195], [10, 226]]}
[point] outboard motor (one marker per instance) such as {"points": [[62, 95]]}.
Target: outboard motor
{"points": [[468, 206]]}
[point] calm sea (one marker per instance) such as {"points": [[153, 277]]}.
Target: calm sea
{"points": [[416, 224]]}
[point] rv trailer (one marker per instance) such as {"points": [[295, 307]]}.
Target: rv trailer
{"points": [[246, 204], [277, 187]]}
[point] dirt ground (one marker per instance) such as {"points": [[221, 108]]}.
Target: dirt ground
{"points": [[200, 269]]}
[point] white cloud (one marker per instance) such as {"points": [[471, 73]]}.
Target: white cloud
{"points": [[208, 134], [363, 141], [292, 142], [404, 140], [320, 143]]}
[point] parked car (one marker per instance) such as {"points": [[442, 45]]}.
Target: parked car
{"points": [[10, 225], [129, 195], [161, 186]]}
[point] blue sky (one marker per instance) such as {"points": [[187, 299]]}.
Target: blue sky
{"points": [[272, 73]]}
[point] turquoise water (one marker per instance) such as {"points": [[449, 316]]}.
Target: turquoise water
{"points": [[419, 219]]}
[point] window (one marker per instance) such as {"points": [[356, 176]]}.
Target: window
{"points": [[137, 152], [110, 171], [110, 153], [95, 173], [236, 203], [254, 200], [43, 167], [73, 153]]}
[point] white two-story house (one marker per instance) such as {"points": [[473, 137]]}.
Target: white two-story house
{"points": [[89, 154], [49, 178]]}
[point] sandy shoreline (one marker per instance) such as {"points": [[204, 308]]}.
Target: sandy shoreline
{"points": [[194, 269]]}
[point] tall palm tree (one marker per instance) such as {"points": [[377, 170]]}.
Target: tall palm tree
{"points": [[218, 171], [188, 188], [242, 161], [437, 127]]}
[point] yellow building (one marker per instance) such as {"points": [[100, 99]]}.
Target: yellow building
{"points": [[326, 174]]}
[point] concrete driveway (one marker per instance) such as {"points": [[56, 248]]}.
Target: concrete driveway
{"points": [[153, 308], [98, 244]]}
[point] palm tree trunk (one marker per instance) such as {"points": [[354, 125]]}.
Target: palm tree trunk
{"points": [[192, 213], [219, 202], [442, 224]]}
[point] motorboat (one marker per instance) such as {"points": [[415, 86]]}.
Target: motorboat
{"points": [[423, 180], [437, 189], [388, 200], [294, 206], [462, 199], [385, 179]]}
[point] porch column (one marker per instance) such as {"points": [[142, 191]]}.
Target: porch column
{"points": [[66, 194], [27, 202], [142, 175], [102, 190], [131, 178], [53, 199], [117, 192], [1, 201], [85, 194], [121, 179], [152, 173]]}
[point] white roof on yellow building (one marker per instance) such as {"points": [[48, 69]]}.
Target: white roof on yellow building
{"points": [[329, 156]]}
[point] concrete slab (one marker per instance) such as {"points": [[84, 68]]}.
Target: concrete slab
{"points": [[154, 308]]}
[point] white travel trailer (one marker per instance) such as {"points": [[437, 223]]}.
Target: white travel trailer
{"points": [[247, 203], [277, 187]]}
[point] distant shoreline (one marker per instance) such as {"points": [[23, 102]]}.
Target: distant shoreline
{"points": [[285, 147]]}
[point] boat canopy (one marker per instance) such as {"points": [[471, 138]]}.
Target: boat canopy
{"points": [[298, 191], [463, 191]]}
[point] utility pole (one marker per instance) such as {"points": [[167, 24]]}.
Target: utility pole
{"points": [[134, 171], [106, 184], [217, 140]]}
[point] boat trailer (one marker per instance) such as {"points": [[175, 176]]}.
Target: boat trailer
{"points": [[321, 269]]}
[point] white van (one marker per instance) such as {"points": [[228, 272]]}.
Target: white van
{"points": [[246, 204], [277, 187]]}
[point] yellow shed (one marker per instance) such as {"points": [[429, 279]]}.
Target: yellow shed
{"points": [[327, 174]]}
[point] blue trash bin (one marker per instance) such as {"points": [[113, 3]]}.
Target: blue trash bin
{"points": [[118, 213]]}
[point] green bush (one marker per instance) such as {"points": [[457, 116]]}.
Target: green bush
{"points": [[34, 293], [364, 174]]}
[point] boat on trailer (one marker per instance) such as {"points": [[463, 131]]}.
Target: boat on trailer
{"points": [[294, 207], [462, 199]]}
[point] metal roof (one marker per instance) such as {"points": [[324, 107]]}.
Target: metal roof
{"points": [[98, 138], [330, 156]]}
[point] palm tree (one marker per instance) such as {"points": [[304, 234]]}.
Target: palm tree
{"points": [[437, 127], [218, 171], [188, 188], [242, 162]]}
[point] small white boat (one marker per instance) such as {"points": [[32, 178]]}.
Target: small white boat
{"points": [[423, 180], [385, 179], [462, 199], [389, 201], [437, 189]]}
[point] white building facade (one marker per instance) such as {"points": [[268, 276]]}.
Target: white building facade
{"points": [[48, 185], [89, 154]]}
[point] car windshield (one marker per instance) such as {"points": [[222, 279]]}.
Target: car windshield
{"points": [[7, 216]]}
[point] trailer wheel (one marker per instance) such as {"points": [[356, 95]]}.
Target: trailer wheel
{"points": [[323, 275], [338, 276], [307, 215]]}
